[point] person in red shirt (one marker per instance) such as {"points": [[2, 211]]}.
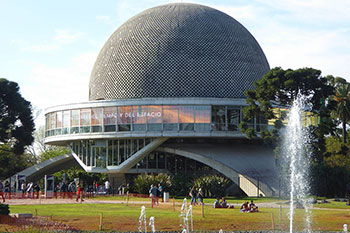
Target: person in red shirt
{"points": [[79, 193]]}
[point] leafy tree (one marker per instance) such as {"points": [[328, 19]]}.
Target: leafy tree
{"points": [[180, 185], [279, 88], [84, 177], [52, 152], [342, 98], [11, 163], [16, 120]]}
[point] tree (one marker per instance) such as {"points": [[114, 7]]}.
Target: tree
{"points": [[279, 88], [16, 119], [12, 163], [52, 152], [342, 98]]}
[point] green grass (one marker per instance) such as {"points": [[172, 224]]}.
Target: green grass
{"points": [[334, 205], [125, 218]]}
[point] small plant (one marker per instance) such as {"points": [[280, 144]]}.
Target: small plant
{"points": [[143, 182]]}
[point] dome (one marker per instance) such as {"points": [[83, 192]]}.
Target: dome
{"points": [[178, 50]]}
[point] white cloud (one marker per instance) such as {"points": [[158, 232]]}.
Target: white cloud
{"points": [[296, 33], [61, 38], [53, 85], [66, 37]]}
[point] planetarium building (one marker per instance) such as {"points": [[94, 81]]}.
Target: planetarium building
{"points": [[166, 95]]}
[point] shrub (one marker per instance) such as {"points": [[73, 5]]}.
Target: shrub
{"points": [[143, 182], [180, 185], [4, 209], [213, 185]]}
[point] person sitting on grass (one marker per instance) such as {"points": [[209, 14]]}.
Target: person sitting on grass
{"points": [[217, 203], [253, 207], [223, 204], [244, 207]]}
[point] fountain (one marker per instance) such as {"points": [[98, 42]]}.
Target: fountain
{"points": [[142, 219], [183, 214], [151, 223], [297, 159], [186, 214]]}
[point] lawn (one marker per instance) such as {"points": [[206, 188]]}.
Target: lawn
{"points": [[125, 218]]}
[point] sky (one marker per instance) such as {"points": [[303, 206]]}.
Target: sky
{"points": [[49, 47]]}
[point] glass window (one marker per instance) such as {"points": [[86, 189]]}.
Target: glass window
{"points": [[154, 117], [96, 116], [59, 119], [233, 118], [154, 114], [47, 125], [96, 119], [170, 117], [186, 117], [75, 116], [75, 119], [53, 120], [124, 118], [218, 118], [170, 114], [85, 120], [85, 117], [58, 123], [124, 115], [139, 114], [202, 114], [110, 116], [110, 119], [202, 118], [66, 122], [186, 114]]}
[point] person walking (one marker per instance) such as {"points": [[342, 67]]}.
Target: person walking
{"points": [[23, 189], [2, 187], [107, 187], [160, 191], [200, 196], [79, 194], [193, 195], [153, 194]]}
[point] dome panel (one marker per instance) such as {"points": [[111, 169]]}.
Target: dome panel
{"points": [[178, 50]]}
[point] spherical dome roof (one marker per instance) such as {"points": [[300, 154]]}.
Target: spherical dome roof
{"points": [[178, 50]]}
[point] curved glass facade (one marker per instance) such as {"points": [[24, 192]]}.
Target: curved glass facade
{"points": [[147, 118], [111, 153]]}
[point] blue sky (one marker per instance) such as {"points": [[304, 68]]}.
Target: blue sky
{"points": [[49, 47]]}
